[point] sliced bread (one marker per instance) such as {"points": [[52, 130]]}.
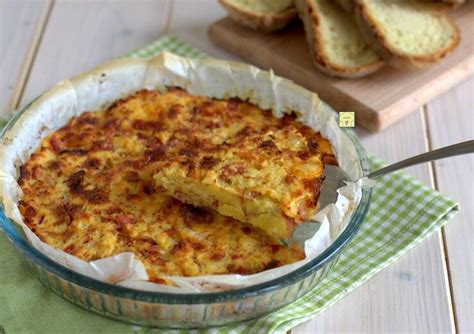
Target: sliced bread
{"points": [[261, 15], [336, 46], [406, 34]]}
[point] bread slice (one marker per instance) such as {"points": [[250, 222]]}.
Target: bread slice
{"points": [[406, 34], [261, 15], [336, 46]]}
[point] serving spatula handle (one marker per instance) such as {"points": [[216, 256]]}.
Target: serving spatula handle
{"points": [[444, 152]]}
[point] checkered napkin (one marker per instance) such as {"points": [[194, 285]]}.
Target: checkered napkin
{"points": [[403, 212]]}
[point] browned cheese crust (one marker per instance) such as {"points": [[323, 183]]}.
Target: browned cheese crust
{"points": [[88, 189]]}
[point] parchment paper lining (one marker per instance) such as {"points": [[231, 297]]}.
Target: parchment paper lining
{"points": [[214, 78]]}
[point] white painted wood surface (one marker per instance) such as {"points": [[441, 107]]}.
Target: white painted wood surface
{"points": [[21, 25], [81, 35], [412, 295], [451, 120]]}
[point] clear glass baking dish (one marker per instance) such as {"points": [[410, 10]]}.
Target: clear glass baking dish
{"points": [[195, 310]]}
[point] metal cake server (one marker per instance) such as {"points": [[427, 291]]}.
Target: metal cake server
{"points": [[336, 178]]}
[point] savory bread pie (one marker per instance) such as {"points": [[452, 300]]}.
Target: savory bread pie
{"points": [[91, 189]]}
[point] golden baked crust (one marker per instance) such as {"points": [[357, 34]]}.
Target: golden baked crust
{"points": [[88, 189]]}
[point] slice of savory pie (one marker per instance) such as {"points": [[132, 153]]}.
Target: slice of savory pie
{"points": [[269, 177]]}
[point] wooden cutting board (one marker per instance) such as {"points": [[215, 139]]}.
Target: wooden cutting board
{"points": [[380, 99]]}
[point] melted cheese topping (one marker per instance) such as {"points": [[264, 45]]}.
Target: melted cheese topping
{"points": [[88, 189]]}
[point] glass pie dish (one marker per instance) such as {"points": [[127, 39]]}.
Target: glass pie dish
{"points": [[190, 310]]}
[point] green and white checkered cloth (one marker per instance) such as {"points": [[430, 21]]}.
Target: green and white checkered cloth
{"points": [[403, 213]]}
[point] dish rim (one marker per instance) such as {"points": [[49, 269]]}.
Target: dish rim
{"points": [[19, 241]]}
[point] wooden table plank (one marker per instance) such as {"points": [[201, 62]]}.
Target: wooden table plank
{"points": [[20, 28], [79, 37], [451, 120], [411, 295], [190, 21]]}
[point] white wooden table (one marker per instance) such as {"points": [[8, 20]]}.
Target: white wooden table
{"points": [[428, 290]]}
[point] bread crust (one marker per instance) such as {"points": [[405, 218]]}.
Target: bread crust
{"points": [[445, 5], [260, 22], [309, 16], [439, 5], [376, 38], [347, 5]]}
